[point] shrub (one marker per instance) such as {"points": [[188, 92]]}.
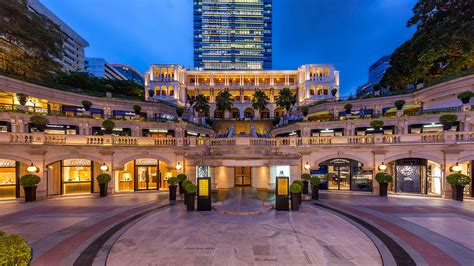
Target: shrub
{"points": [[296, 188], [377, 123], [465, 96], [109, 88], [29, 180], [39, 122], [333, 92], [399, 104], [151, 93], [86, 104], [190, 188], [315, 180], [299, 182], [180, 111], [305, 176], [14, 250], [103, 178], [185, 183], [22, 98], [276, 121], [172, 181], [448, 120], [348, 107], [383, 177], [137, 109], [458, 179], [208, 121], [108, 125], [305, 110], [181, 177]]}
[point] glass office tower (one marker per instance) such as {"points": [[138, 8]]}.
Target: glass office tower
{"points": [[232, 34]]}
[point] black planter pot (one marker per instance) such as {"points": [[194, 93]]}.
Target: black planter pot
{"points": [[181, 188], [447, 126], [295, 201], [315, 192], [172, 190], [465, 100], [30, 193], [305, 187], [383, 189], [189, 200], [103, 189], [458, 193]]}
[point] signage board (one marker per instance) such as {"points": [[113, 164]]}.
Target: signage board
{"points": [[7, 163], [204, 194], [282, 193], [76, 162], [146, 161]]}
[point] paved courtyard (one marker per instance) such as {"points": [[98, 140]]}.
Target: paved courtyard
{"points": [[144, 229]]}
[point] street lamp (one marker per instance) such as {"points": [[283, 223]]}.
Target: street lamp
{"points": [[179, 166], [307, 166], [456, 168], [383, 167], [32, 168]]}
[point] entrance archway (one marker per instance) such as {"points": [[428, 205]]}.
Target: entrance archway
{"points": [[142, 174], [249, 113], [344, 174], [235, 113], [73, 176]]}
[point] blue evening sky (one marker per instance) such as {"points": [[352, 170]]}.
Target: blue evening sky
{"points": [[351, 34]]}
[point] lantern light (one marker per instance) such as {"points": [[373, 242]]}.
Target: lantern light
{"points": [[382, 167], [179, 166], [32, 168], [104, 167], [307, 166], [456, 168]]}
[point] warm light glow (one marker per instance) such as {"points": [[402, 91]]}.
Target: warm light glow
{"points": [[456, 168], [104, 167], [179, 166], [32, 168], [382, 167], [307, 166]]}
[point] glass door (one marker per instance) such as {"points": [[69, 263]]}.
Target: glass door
{"points": [[147, 177], [242, 176]]}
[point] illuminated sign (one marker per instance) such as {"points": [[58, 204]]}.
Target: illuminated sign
{"points": [[146, 161], [282, 186], [7, 163], [203, 187], [76, 162]]}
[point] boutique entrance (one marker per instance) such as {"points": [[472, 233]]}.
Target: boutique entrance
{"points": [[344, 174], [143, 174], [242, 176]]}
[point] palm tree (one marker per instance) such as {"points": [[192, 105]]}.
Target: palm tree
{"points": [[224, 101], [259, 100], [286, 100], [201, 105]]}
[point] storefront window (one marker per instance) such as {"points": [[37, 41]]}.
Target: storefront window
{"points": [[77, 176], [414, 175], [344, 174], [8, 179], [142, 174]]}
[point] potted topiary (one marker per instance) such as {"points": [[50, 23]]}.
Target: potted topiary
{"points": [[185, 184], [108, 126], [22, 99], [189, 196], [299, 182], [295, 191], [399, 104], [172, 187], [181, 178], [333, 92], [383, 179], [39, 122], [315, 181], [29, 182], [305, 177], [137, 109], [14, 250], [151, 93], [348, 108], [464, 96], [180, 111], [448, 120], [103, 180], [377, 125], [305, 111], [458, 181], [87, 106]]}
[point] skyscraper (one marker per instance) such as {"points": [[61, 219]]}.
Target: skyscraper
{"points": [[232, 34]]}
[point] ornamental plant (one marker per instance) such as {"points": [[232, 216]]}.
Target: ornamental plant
{"points": [[137, 109], [22, 98], [108, 125], [181, 177], [296, 188], [383, 177], [172, 181], [180, 111], [109, 88], [348, 108], [333, 92], [458, 180], [190, 188], [305, 110], [299, 182], [29, 180], [377, 123], [448, 120], [87, 105], [14, 250], [465, 96], [305, 176], [39, 122], [399, 104], [151, 93], [186, 183], [315, 180], [103, 178]]}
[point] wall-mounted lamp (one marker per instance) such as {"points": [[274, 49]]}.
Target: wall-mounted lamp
{"points": [[104, 167], [32, 168], [179, 166], [382, 167], [307, 166], [456, 168]]}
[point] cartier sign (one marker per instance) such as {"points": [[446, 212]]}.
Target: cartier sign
{"points": [[146, 161], [76, 162], [7, 163]]}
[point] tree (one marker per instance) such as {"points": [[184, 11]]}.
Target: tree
{"points": [[442, 44], [286, 100], [224, 101], [259, 100], [29, 42], [201, 105]]}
